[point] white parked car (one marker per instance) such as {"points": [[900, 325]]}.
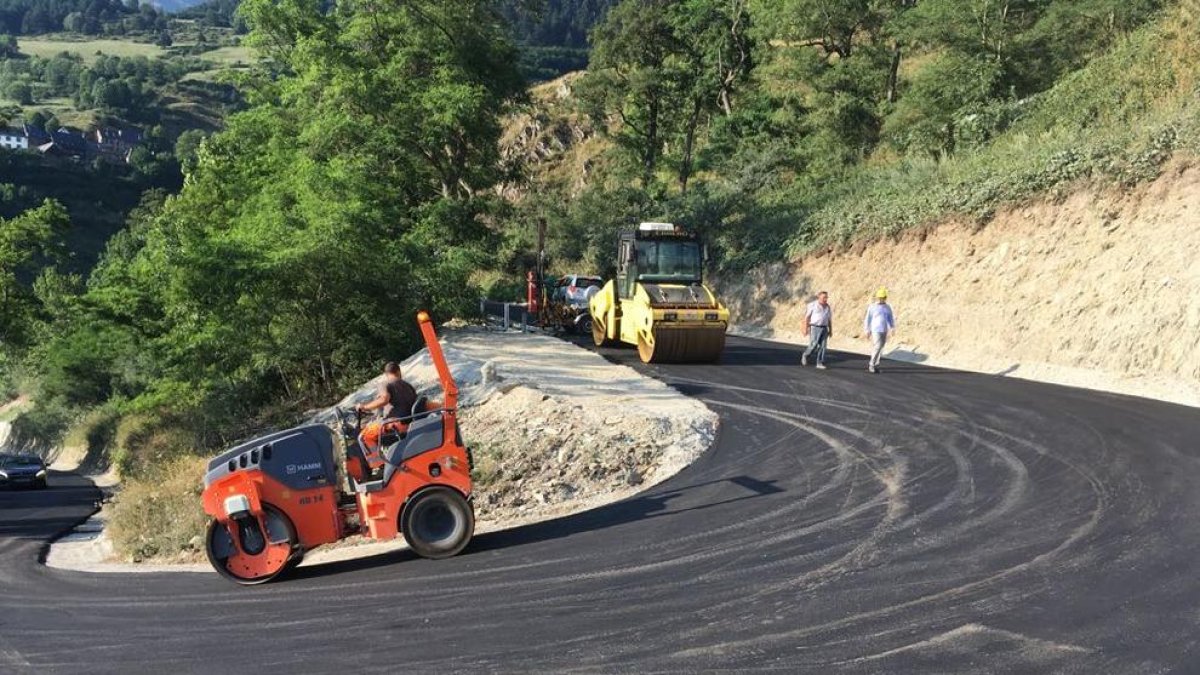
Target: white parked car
{"points": [[577, 289]]}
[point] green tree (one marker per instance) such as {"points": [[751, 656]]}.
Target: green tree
{"points": [[976, 29], [927, 117], [8, 47], [712, 62], [20, 92], [304, 241], [28, 243], [186, 148], [628, 78], [834, 26]]}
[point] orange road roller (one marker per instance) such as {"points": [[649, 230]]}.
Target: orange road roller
{"points": [[275, 497]]}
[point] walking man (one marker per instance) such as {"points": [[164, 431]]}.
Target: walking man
{"points": [[818, 326], [880, 323]]}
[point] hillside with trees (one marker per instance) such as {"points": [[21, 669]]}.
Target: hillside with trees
{"points": [[788, 125], [353, 191], [553, 34], [87, 17]]}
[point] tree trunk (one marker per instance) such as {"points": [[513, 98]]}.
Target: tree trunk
{"points": [[650, 153], [689, 141], [893, 72]]}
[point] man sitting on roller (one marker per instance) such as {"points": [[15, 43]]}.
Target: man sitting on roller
{"points": [[395, 396]]}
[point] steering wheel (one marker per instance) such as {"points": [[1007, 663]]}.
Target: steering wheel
{"points": [[344, 415]]}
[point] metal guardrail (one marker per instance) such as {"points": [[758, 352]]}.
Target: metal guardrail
{"points": [[508, 314]]}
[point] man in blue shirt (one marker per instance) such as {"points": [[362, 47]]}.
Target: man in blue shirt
{"points": [[880, 323]]}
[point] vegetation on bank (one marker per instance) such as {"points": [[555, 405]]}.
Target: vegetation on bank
{"points": [[1117, 119], [352, 192], [778, 127]]}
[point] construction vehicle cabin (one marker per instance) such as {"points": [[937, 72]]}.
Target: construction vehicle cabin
{"points": [[658, 302]]}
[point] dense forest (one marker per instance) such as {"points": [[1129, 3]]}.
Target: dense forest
{"points": [[220, 13], [553, 34], [360, 182], [554, 23], [89, 17]]}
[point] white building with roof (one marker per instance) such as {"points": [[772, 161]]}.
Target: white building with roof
{"points": [[13, 139]]}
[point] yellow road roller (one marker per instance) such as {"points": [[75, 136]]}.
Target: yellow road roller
{"points": [[658, 301]]}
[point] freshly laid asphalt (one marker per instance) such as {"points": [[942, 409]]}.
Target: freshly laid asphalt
{"points": [[913, 521]]}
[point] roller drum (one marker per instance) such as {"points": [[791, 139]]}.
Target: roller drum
{"points": [[683, 345]]}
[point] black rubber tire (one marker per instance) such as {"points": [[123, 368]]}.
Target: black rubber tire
{"points": [[437, 523], [214, 526], [584, 326]]}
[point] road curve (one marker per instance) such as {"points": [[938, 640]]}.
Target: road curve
{"points": [[916, 520]]}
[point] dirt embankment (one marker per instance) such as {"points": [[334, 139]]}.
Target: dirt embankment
{"points": [[1100, 290]]}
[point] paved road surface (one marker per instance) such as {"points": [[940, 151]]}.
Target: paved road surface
{"points": [[917, 520]]}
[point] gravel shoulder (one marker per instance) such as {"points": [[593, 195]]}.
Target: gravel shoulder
{"points": [[555, 429]]}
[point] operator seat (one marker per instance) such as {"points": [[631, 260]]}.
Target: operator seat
{"points": [[423, 435], [418, 407]]}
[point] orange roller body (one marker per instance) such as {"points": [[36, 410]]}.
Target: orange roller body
{"points": [[275, 497]]}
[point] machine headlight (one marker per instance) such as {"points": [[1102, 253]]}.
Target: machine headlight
{"points": [[4, 475], [236, 505], [670, 316], [41, 474], [711, 316]]}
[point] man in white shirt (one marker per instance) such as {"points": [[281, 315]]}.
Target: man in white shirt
{"points": [[880, 323], [818, 326]]}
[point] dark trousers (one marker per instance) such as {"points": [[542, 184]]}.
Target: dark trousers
{"points": [[817, 337]]}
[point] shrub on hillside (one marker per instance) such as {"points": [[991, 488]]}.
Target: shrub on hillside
{"points": [[90, 439], [158, 514], [145, 441], [1119, 119]]}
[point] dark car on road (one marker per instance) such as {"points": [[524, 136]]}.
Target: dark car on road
{"points": [[22, 471]]}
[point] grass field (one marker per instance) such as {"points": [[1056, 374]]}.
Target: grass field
{"points": [[87, 49], [230, 56], [62, 108], [225, 59]]}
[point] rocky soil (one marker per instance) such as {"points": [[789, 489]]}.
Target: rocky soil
{"points": [[554, 427], [553, 136]]}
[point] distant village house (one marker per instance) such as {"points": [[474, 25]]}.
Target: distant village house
{"points": [[14, 139], [106, 144]]}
